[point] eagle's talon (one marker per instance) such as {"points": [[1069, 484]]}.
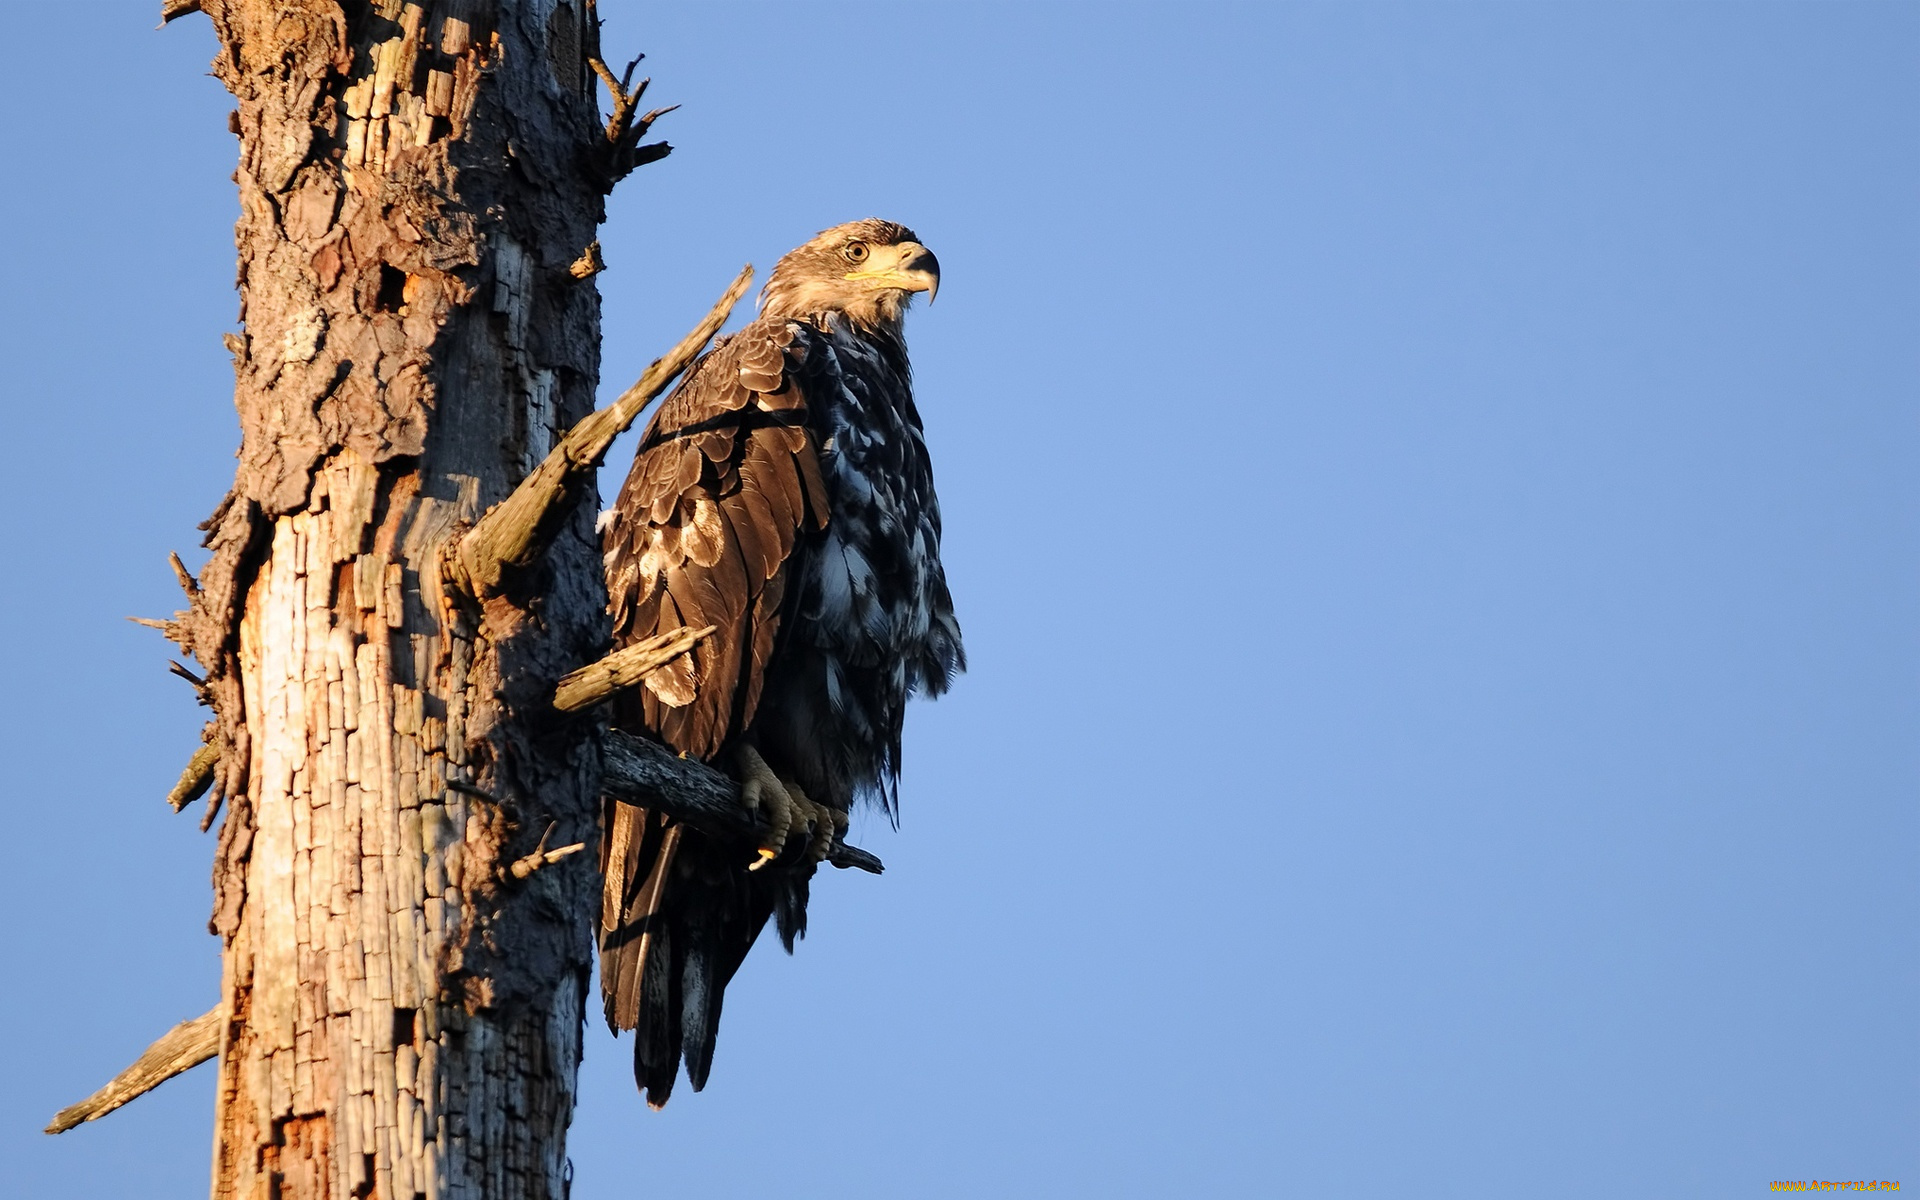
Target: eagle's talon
{"points": [[787, 810], [818, 819], [829, 831], [766, 797]]}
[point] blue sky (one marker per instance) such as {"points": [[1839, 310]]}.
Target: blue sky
{"points": [[1430, 493]]}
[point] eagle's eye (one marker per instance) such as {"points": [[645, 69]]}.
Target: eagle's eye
{"points": [[856, 252]]}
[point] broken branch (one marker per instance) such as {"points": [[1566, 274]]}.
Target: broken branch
{"points": [[527, 864], [648, 775], [621, 152], [590, 263], [188, 583], [196, 779], [514, 532], [180, 1049], [623, 668], [170, 9]]}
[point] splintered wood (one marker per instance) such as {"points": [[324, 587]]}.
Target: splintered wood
{"points": [[183, 1047], [624, 668], [401, 1008]]}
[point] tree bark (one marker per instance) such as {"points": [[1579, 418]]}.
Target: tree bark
{"points": [[403, 1014]]}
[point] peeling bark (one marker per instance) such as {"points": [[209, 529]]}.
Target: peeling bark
{"points": [[402, 1012]]}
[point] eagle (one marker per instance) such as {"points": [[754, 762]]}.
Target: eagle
{"points": [[782, 494]]}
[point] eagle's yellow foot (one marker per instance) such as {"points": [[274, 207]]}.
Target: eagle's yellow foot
{"points": [[786, 809], [828, 831]]}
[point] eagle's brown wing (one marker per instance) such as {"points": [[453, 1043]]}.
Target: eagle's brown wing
{"points": [[725, 486], [726, 480]]}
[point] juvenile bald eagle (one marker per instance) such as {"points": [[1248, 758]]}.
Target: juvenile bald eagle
{"points": [[782, 494]]}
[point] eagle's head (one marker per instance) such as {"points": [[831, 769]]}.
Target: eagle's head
{"points": [[866, 270]]}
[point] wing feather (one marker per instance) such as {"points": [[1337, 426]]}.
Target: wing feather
{"points": [[726, 480], [770, 469]]}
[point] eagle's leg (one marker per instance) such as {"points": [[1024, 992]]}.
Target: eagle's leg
{"points": [[785, 808]]}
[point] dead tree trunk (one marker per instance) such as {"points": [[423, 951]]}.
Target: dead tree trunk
{"points": [[420, 185]]}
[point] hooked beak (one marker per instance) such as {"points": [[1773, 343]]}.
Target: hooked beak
{"points": [[913, 269]]}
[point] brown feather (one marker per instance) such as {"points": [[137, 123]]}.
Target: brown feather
{"points": [[783, 400], [744, 534], [730, 588], [645, 907], [766, 627], [774, 543], [760, 380], [672, 683], [772, 468], [701, 531], [763, 362], [613, 863], [686, 472]]}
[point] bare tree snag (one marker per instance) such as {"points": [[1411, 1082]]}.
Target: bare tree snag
{"points": [[180, 1049], [401, 1011]]}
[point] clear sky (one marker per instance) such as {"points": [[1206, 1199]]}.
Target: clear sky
{"points": [[1431, 496]]}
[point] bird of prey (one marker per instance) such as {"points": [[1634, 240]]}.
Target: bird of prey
{"points": [[783, 495]]}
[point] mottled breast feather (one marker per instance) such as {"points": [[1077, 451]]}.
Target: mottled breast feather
{"points": [[874, 621]]}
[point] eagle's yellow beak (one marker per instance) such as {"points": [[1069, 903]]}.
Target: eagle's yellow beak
{"points": [[908, 266]]}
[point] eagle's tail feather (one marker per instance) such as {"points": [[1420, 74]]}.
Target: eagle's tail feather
{"points": [[701, 993], [688, 913], [656, 1040], [790, 909]]}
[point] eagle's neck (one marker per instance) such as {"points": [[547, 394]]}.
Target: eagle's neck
{"points": [[876, 313]]}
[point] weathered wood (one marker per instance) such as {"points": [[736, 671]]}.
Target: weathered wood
{"points": [[527, 864], [513, 532], [188, 583], [180, 1049], [590, 263], [646, 774], [624, 668], [196, 779], [621, 151]]}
